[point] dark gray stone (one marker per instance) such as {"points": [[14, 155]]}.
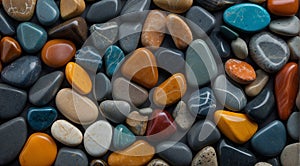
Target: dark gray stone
{"points": [[71, 157], [213, 5], [102, 87], [133, 10], [171, 60], [47, 12], [6, 24], [129, 36], [289, 26], [115, 111], [89, 58], [221, 45], [103, 11], [293, 125]]}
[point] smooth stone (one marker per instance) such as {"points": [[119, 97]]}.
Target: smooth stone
{"points": [[172, 152], [202, 134], [274, 161], [133, 10], [283, 8], [41, 118], [78, 109], [68, 156], [254, 88], [235, 126], [262, 164], [13, 135], [98, 162], [40, 149], [129, 35], [205, 157], [240, 48], [160, 126], [66, 133], [290, 155], [102, 87], [115, 111], [21, 10], [286, 26], [74, 29], [78, 78], [58, 52], [240, 71], [71, 8], [141, 67], [34, 32], [96, 143], [170, 60], [128, 91], [228, 33], [198, 56], [286, 95], [182, 116], [229, 94], [137, 123], [241, 17], [157, 162], [113, 57], [270, 140], [257, 1], [179, 6], [221, 45], [213, 5], [139, 153], [47, 12], [179, 30], [122, 137], [89, 58], [269, 52], [294, 45], [170, 91], [293, 125], [7, 27], [10, 49], [146, 111], [104, 10], [23, 72], [104, 35]]}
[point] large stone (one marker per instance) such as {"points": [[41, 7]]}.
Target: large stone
{"points": [[283, 8]]}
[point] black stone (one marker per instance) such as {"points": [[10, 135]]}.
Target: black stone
{"points": [[221, 45], [104, 10]]}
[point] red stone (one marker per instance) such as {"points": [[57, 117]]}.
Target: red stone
{"points": [[286, 88], [283, 7]]}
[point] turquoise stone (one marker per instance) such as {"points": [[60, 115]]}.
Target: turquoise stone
{"points": [[112, 57], [47, 12], [41, 118], [32, 37], [123, 137], [247, 17]]}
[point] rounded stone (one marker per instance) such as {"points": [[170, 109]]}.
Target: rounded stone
{"points": [[240, 71], [254, 88], [41, 118], [205, 157], [10, 49], [71, 8], [68, 156], [115, 111], [286, 26], [21, 10], [290, 155], [179, 6], [157, 162], [293, 124], [47, 12], [239, 48], [283, 8]]}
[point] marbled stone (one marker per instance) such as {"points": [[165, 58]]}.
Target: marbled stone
{"points": [[294, 45], [104, 10], [214, 5], [71, 8], [68, 157], [129, 35], [240, 71], [10, 49], [115, 111], [293, 125], [105, 34], [205, 157], [179, 6], [254, 88], [221, 45], [286, 26], [240, 48], [137, 123], [47, 12], [283, 8], [113, 57], [122, 137], [102, 87], [89, 58], [7, 27], [182, 116], [170, 60], [21, 10], [41, 118], [157, 162], [290, 155]]}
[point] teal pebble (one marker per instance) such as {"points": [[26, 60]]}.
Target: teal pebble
{"points": [[41, 118], [228, 33], [47, 12], [112, 57], [123, 137]]}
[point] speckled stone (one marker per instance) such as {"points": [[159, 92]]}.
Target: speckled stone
{"points": [[205, 157], [41, 118], [286, 26], [112, 57], [262, 164], [47, 12], [137, 123], [294, 45], [114, 110], [89, 58], [157, 162], [105, 34], [102, 87], [68, 157], [182, 116], [240, 48], [133, 10], [104, 10], [129, 34], [293, 125], [290, 155]]}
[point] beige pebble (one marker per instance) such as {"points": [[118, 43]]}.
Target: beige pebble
{"points": [[137, 123], [256, 87], [263, 164], [205, 157], [183, 117]]}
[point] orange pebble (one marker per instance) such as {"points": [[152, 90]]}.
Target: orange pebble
{"points": [[283, 7], [240, 71], [10, 49]]}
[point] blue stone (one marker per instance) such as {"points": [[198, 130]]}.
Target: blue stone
{"points": [[133, 10], [23, 72], [89, 58], [31, 37], [47, 12], [123, 137], [247, 17], [41, 118], [270, 140], [129, 36], [170, 60], [6, 24], [104, 10], [112, 57]]}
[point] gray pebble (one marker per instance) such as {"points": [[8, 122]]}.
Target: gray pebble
{"points": [[294, 45], [205, 157], [71, 157], [286, 26], [293, 125]]}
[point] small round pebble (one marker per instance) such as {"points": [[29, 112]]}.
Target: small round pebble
{"points": [[239, 48], [205, 157]]}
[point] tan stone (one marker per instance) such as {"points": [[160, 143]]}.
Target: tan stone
{"points": [[178, 6], [137, 123], [71, 8], [256, 87]]}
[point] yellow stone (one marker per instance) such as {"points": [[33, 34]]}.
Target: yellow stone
{"points": [[71, 8]]}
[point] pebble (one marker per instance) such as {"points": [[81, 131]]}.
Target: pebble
{"points": [[98, 163], [115, 111], [270, 140], [214, 5], [294, 45], [113, 57], [21, 10], [205, 157], [286, 95], [290, 155], [47, 12], [254, 88], [41, 118], [96, 143], [7, 27], [129, 35], [36, 33], [40, 149], [13, 135], [78, 109], [179, 6], [157, 162], [286, 26], [228, 33], [257, 1], [283, 8], [137, 123], [102, 87], [182, 116], [13, 101], [170, 60], [239, 48], [89, 58], [134, 10], [293, 125], [139, 153], [240, 71], [105, 34], [122, 137], [68, 156], [103, 11], [269, 52], [274, 161], [10, 49], [71, 8], [220, 44], [146, 111], [66, 133], [262, 164], [202, 134], [23, 72]]}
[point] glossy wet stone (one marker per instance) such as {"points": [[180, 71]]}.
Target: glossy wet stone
{"points": [[10, 49], [270, 140], [262, 164], [290, 155], [254, 88], [183, 117], [104, 35], [89, 58], [240, 48], [283, 8], [269, 52], [13, 135], [286, 26], [146, 111], [294, 45], [137, 123], [123, 137], [71, 8], [102, 87], [68, 156], [98, 163], [133, 10], [221, 45], [21, 10], [7, 27], [180, 6], [228, 33], [115, 111], [157, 162], [202, 134], [103, 11], [129, 35], [293, 124], [205, 157], [47, 12], [214, 5], [112, 58], [170, 60], [29, 66], [41, 118], [36, 33], [240, 71]]}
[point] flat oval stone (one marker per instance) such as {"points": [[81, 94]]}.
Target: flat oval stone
{"points": [[254, 88], [71, 8], [66, 133], [104, 35], [286, 26], [269, 52], [172, 152], [294, 45], [23, 72], [214, 5], [146, 111], [45, 88], [170, 60], [58, 52], [182, 116], [115, 111], [102, 87], [7, 27], [21, 10], [290, 154], [112, 57], [103, 11], [180, 6], [221, 45], [41, 118], [47, 12], [78, 78], [13, 134], [89, 58], [137, 123], [205, 157], [13, 101], [10, 49], [40, 149], [133, 10], [76, 108], [235, 126], [157, 162], [270, 140], [240, 71], [34, 32], [129, 35], [293, 125], [68, 156], [283, 8], [95, 142], [286, 95], [123, 137], [241, 17], [240, 48], [139, 153]]}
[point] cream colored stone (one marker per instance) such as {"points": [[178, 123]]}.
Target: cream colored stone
{"points": [[256, 87]]}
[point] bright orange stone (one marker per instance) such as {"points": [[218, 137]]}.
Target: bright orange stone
{"points": [[10, 49], [40, 150], [283, 7], [235, 126], [240, 71], [78, 78]]}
